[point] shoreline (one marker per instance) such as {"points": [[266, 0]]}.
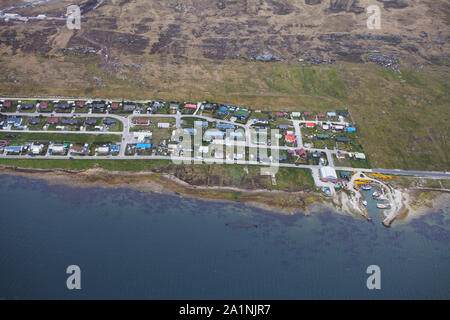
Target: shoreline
{"points": [[409, 203]]}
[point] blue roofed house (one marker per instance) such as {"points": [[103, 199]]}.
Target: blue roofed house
{"points": [[114, 148], [225, 126], [351, 129], [223, 111], [14, 121], [143, 146], [13, 149], [190, 131]]}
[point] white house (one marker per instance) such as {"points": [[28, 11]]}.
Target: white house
{"points": [[328, 174]]}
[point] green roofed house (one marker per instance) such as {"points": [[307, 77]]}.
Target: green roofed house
{"points": [[322, 136], [342, 139], [344, 174]]}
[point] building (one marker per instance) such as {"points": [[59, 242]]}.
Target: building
{"points": [[79, 104], [296, 114], [223, 111], [114, 106], [6, 104], [57, 148], [143, 146], [283, 126], [36, 149], [27, 106], [289, 138], [360, 156], [114, 148], [351, 129], [90, 122], [328, 174], [62, 106], [341, 139], [322, 136], [141, 122], [34, 122], [307, 113], [321, 115], [102, 150], [310, 125], [190, 106], [69, 122], [199, 123], [163, 125], [109, 122], [43, 106], [301, 153], [14, 121], [13, 149], [225, 126], [331, 114]]}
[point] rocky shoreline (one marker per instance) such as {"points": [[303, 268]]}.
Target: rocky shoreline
{"points": [[410, 204]]}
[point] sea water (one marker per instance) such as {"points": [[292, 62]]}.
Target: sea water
{"points": [[132, 244]]}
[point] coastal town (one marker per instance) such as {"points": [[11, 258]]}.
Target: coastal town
{"points": [[327, 143]]}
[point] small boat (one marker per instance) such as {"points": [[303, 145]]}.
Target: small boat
{"points": [[364, 203], [383, 206], [366, 187], [376, 194]]}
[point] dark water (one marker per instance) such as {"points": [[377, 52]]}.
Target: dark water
{"points": [[132, 244]]}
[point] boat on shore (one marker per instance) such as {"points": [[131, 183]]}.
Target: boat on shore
{"points": [[364, 202], [366, 187], [376, 194], [383, 206]]}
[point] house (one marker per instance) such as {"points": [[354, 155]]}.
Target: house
{"points": [[360, 156], [79, 150], [341, 139], [281, 114], [351, 129], [310, 125], [34, 122], [69, 122], [208, 107], [328, 174], [27, 106], [301, 153], [109, 122], [52, 121], [331, 114], [321, 115], [62, 106], [90, 122], [325, 126], [114, 106], [225, 126], [283, 126], [163, 125], [241, 115], [98, 106], [307, 114], [143, 146], [340, 155], [342, 113], [129, 107], [209, 134], [79, 104], [36, 149], [296, 114], [190, 106], [114, 148], [236, 134], [261, 121], [102, 150], [223, 111], [173, 106], [57, 148], [141, 122], [14, 121], [289, 138], [13, 149], [43, 106], [6, 104], [338, 127]]}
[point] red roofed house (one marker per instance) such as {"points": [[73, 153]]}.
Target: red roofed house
{"points": [[310, 125], [80, 104], [321, 115], [281, 114], [289, 138], [52, 120], [307, 113], [114, 106], [7, 104], [43, 106], [190, 106], [141, 121], [301, 153]]}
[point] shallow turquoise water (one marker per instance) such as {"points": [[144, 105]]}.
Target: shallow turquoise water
{"points": [[132, 244]]}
